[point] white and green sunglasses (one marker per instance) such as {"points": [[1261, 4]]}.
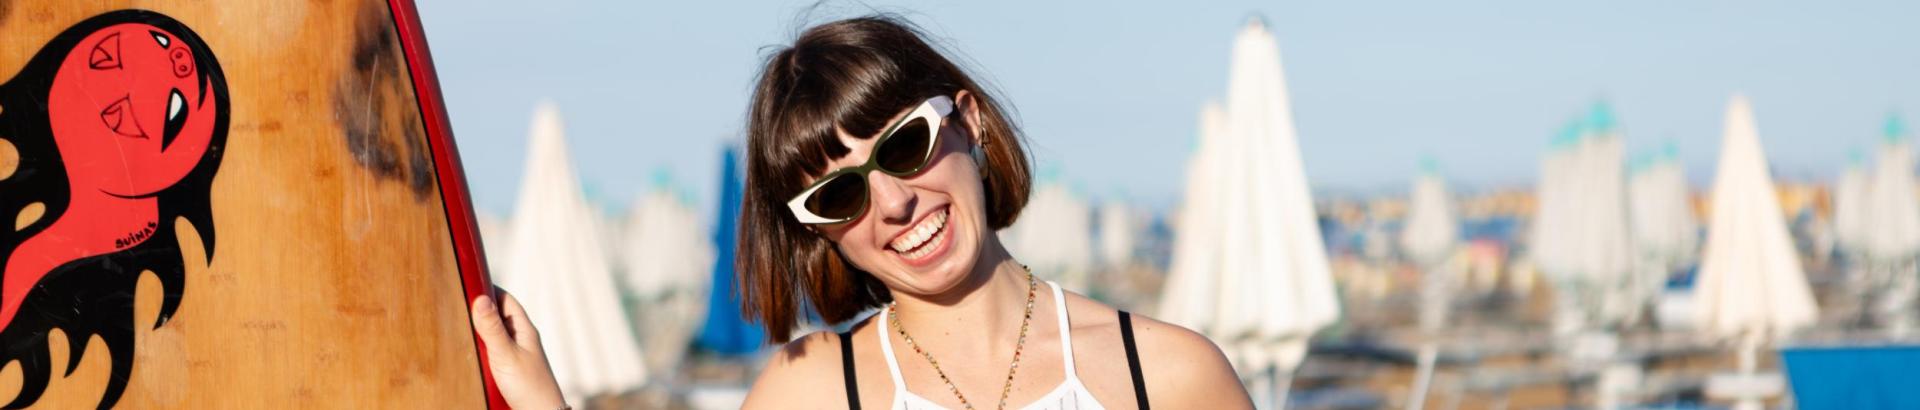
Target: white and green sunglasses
{"points": [[904, 149]]}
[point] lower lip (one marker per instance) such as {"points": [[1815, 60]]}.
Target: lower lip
{"points": [[941, 243]]}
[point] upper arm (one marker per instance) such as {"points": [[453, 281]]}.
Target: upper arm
{"points": [[1184, 369], [795, 377]]}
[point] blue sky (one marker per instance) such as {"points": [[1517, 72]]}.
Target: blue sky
{"points": [[1109, 92]]}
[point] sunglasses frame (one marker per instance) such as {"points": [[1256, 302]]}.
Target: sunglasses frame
{"points": [[935, 110]]}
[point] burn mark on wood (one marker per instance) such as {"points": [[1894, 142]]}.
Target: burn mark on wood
{"points": [[376, 107]]}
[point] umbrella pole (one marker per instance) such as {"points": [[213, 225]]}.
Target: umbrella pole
{"points": [[1257, 386], [1423, 377], [1749, 362], [1900, 294], [1282, 385]]}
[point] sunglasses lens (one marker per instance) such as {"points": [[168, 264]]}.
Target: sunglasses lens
{"points": [[907, 149], [840, 198]]}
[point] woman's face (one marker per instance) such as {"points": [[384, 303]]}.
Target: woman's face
{"points": [[921, 233]]}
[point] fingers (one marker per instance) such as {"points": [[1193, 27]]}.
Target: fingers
{"points": [[518, 323], [487, 323]]}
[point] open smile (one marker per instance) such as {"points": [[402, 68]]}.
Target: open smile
{"points": [[925, 242]]}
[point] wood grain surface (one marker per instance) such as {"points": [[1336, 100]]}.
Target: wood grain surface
{"points": [[333, 282]]}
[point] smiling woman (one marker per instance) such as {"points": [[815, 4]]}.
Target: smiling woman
{"points": [[877, 173], [822, 231]]}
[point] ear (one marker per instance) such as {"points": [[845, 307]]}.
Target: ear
{"points": [[969, 110]]}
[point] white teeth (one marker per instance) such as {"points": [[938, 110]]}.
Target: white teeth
{"points": [[174, 104], [919, 235]]}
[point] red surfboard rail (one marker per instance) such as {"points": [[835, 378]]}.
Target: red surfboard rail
{"points": [[453, 181]]}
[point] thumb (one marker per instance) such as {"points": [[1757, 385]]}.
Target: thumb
{"points": [[487, 323], [520, 325]]}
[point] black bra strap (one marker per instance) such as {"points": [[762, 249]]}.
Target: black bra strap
{"points": [[853, 386], [1133, 360]]}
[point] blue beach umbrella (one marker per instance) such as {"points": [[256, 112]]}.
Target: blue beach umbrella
{"points": [[726, 331]]}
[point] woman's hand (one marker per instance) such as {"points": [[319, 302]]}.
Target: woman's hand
{"points": [[518, 362]]}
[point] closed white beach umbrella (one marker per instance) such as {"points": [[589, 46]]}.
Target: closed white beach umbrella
{"points": [[1665, 230], [1750, 280], [1664, 227], [1894, 210], [1850, 210], [1120, 227], [493, 240], [1891, 240], [1551, 236], [1431, 231], [558, 268], [1277, 285], [1271, 286], [666, 260], [1751, 288], [1428, 239], [1193, 273], [1054, 235], [1605, 252]]}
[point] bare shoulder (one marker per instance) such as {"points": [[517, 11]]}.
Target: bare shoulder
{"points": [[1182, 368], [797, 374], [1091, 315]]}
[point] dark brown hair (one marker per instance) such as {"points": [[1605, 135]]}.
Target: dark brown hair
{"points": [[849, 75]]}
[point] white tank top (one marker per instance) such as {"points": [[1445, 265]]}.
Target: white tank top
{"points": [[1071, 394]]}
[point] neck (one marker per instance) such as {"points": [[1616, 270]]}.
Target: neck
{"points": [[987, 306]]}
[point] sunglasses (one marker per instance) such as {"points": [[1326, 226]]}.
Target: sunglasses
{"points": [[904, 149]]}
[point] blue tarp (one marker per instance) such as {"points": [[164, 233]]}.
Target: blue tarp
{"points": [[725, 331], [1854, 377]]}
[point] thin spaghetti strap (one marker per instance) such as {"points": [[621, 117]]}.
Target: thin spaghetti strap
{"points": [[1066, 330], [893, 366], [846, 369], [1133, 359]]}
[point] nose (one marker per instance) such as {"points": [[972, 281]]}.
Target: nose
{"points": [[892, 198], [182, 61]]}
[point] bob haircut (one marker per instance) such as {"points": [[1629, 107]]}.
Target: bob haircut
{"points": [[850, 75]]}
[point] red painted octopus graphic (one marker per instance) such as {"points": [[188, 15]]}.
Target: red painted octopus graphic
{"points": [[119, 123]]}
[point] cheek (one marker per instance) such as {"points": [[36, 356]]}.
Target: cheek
{"points": [[953, 175], [848, 238]]}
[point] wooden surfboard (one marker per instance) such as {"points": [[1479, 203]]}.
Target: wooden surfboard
{"points": [[235, 204]]}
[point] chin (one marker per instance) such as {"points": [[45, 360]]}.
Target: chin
{"points": [[949, 266]]}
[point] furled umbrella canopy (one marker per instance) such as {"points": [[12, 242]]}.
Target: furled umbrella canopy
{"points": [[1120, 227], [1194, 269], [1662, 216], [1665, 233], [494, 237], [1054, 235], [1750, 282], [726, 331], [1893, 206], [1850, 209], [665, 263], [1270, 284], [1555, 194], [559, 269], [1429, 238], [1605, 252], [1432, 231]]}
